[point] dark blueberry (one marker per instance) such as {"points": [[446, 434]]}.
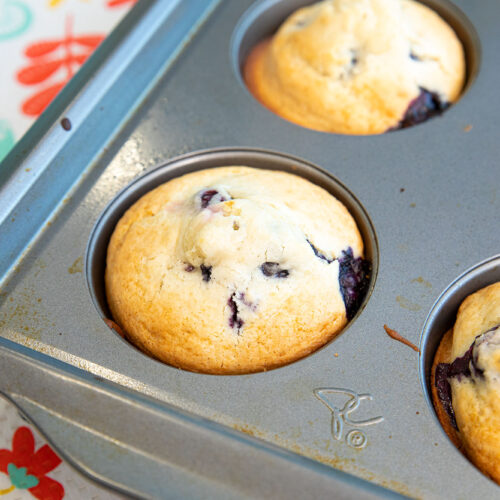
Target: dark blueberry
{"points": [[350, 65], [206, 272], [234, 320], [354, 58], [414, 57], [242, 298], [269, 268], [273, 269], [189, 268], [206, 197], [211, 197], [354, 274], [319, 254], [459, 368], [444, 371], [426, 105], [444, 391]]}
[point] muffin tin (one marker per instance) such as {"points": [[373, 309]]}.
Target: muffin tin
{"points": [[353, 418]]}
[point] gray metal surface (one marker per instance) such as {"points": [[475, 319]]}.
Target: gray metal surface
{"points": [[431, 193], [148, 449]]}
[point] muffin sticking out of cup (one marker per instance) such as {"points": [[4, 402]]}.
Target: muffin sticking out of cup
{"points": [[358, 66], [235, 270], [466, 380]]}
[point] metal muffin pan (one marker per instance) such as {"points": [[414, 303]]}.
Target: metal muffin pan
{"points": [[352, 418]]}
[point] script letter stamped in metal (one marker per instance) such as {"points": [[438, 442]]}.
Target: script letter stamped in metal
{"points": [[340, 416]]}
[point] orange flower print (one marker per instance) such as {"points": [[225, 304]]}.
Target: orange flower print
{"points": [[27, 469], [117, 3], [56, 61]]}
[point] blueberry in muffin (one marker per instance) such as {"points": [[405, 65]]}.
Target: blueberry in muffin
{"points": [[235, 270]]}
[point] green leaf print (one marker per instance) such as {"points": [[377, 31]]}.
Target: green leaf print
{"points": [[20, 479]]}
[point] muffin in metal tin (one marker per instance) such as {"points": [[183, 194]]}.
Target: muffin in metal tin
{"points": [[467, 380], [234, 270], [358, 66]]}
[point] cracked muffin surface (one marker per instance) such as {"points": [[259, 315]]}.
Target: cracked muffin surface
{"points": [[358, 66], [234, 270], [468, 379]]}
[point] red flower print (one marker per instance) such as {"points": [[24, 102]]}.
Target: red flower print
{"points": [[116, 3], [27, 468], [49, 58]]}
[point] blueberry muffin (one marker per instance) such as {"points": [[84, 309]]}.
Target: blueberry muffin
{"points": [[467, 380], [234, 270], [358, 66]]}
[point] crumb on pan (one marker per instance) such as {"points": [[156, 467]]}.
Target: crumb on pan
{"points": [[396, 336]]}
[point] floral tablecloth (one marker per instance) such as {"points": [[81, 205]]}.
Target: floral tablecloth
{"points": [[42, 45], [30, 469]]}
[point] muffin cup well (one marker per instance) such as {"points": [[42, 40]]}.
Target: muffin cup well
{"points": [[95, 260], [443, 314], [263, 18]]}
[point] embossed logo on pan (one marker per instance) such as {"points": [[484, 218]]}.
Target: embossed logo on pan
{"points": [[340, 416]]}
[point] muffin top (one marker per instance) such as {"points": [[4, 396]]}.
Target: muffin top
{"points": [[234, 270], [474, 376], [358, 66]]}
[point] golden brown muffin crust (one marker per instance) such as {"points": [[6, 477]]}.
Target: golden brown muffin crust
{"points": [[354, 66], [475, 398], [231, 270]]}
